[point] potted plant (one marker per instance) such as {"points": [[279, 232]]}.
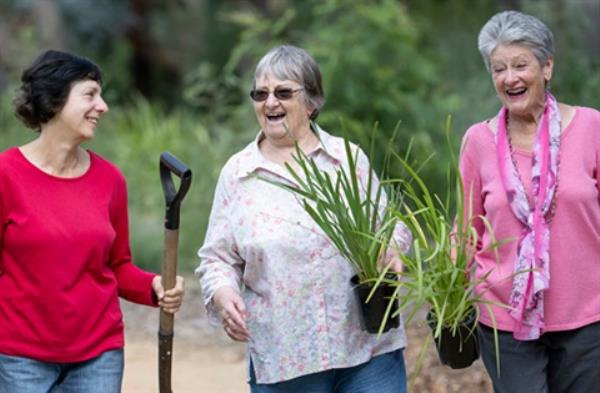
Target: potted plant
{"points": [[438, 271], [358, 218]]}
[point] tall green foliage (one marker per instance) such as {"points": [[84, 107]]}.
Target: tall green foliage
{"points": [[382, 60], [354, 213], [373, 63]]}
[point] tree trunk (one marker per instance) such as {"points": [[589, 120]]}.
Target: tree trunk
{"points": [[48, 21], [153, 71]]}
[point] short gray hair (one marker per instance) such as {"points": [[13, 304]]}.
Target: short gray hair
{"points": [[513, 27], [288, 62]]}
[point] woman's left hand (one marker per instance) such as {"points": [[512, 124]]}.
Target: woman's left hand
{"points": [[170, 300], [392, 259]]}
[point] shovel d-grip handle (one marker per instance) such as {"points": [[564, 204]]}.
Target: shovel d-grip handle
{"points": [[169, 165]]}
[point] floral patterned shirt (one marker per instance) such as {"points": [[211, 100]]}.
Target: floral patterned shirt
{"points": [[302, 314]]}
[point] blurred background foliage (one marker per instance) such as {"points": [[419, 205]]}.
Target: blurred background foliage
{"points": [[178, 73]]}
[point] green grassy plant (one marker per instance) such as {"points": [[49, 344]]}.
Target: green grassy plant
{"points": [[357, 218], [438, 273]]}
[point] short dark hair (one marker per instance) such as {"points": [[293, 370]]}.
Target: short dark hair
{"points": [[46, 83]]}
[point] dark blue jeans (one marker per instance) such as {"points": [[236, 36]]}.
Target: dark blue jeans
{"points": [[557, 362], [382, 374], [102, 374]]}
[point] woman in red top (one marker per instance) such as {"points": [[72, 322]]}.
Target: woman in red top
{"points": [[64, 241]]}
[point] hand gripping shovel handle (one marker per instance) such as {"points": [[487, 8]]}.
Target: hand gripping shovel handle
{"points": [[169, 164]]}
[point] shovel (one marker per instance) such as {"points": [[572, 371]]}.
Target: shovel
{"points": [[169, 164]]}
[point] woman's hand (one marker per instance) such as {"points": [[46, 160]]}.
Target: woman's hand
{"points": [[392, 259], [170, 300], [232, 310]]}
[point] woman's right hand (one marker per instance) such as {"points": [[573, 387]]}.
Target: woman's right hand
{"points": [[232, 310]]}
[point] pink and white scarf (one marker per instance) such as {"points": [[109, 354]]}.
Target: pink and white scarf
{"points": [[532, 268]]}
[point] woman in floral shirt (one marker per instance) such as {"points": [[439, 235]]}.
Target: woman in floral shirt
{"points": [[269, 274]]}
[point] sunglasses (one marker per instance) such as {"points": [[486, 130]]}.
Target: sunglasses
{"points": [[281, 93]]}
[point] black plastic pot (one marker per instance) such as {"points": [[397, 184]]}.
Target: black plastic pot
{"points": [[459, 350], [373, 312]]}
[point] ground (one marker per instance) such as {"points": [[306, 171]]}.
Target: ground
{"points": [[206, 361]]}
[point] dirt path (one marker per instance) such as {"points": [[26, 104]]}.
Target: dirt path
{"points": [[206, 361], [195, 369]]}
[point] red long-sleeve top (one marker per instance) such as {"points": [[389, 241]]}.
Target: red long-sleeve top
{"points": [[64, 261]]}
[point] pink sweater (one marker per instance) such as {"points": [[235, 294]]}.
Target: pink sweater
{"points": [[64, 261], [573, 299]]}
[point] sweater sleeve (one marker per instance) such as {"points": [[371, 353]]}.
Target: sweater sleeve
{"points": [[134, 283], [598, 159], [471, 179], [220, 263], [2, 220]]}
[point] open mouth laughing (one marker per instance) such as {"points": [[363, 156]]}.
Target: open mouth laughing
{"points": [[516, 92], [275, 117]]}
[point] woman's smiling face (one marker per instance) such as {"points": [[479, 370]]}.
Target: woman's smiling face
{"points": [[275, 115], [82, 110], [519, 79]]}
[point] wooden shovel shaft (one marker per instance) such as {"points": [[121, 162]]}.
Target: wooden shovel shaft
{"points": [[165, 333], [165, 352]]}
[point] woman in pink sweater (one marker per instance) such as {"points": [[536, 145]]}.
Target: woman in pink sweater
{"points": [[64, 241], [533, 172]]}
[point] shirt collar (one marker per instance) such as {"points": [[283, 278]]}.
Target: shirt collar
{"points": [[251, 159]]}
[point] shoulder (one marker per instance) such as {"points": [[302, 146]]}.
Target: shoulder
{"points": [[335, 147], [103, 164], [331, 142], [478, 139], [10, 160], [585, 126], [8, 155], [480, 131], [586, 114], [6, 162], [105, 168], [580, 120], [237, 165]]}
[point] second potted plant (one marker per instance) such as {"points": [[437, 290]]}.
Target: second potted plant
{"points": [[438, 271]]}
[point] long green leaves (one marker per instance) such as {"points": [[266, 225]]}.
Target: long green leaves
{"points": [[438, 271], [355, 214]]}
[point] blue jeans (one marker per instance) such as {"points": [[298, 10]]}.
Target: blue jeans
{"points": [[102, 374], [382, 374]]}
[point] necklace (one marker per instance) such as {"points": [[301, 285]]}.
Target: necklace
{"points": [[549, 215]]}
